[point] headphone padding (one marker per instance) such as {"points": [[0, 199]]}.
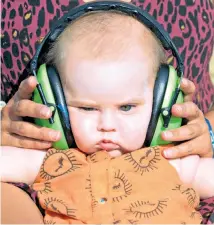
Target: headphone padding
{"points": [[158, 97]]}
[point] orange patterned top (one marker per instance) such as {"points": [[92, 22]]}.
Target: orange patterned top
{"points": [[135, 188]]}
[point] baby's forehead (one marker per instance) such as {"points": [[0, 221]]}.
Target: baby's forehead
{"points": [[96, 73], [132, 61], [105, 33], [106, 36]]}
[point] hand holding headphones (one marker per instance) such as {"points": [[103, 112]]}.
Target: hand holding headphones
{"points": [[166, 89], [194, 135], [19, 133]]}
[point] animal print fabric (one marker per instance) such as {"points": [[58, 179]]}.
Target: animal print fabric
{"points": [[189, 23]]}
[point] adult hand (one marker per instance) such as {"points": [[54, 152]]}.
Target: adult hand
{"points": [[18, 133], [195, 133]]}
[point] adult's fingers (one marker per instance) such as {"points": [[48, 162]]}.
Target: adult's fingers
{"points": [[25, 91], [30, 130], [188, 87], [184, 133], [24, 142], [198, 146], [26, 88], [188, 110], [29, 108]]}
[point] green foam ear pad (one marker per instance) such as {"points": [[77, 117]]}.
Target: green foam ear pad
{"points": [[175, 122], [42, 78]]}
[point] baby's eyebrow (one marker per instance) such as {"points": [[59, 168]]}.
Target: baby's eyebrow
{"points": [[133, 100], [81, 102]]}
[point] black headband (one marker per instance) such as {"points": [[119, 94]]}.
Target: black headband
{"points": [[123, 7]]}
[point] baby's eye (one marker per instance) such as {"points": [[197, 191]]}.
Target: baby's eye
{"points": [[87, 108], [127, 108]]}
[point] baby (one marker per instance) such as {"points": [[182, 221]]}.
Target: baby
{"points": [[108, 63]]}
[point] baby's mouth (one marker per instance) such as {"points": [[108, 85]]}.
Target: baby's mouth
{"points": [[108, 145]]}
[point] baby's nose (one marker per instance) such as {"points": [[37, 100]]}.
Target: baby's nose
{"points": [[107, 122]]}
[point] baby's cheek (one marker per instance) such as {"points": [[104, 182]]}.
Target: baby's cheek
{"points": [[84, 130], [132, 136], [137, 131]]}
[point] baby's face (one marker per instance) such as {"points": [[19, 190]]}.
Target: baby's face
{"points": [[109, 101]]}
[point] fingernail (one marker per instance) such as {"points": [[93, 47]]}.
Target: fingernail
{"points": [[54, 135], [45, 112], [185, 82], [178, 108], [168, 153], [167, 134]]}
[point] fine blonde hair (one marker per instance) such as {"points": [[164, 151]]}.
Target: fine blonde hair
{"points": [[104, 34]]}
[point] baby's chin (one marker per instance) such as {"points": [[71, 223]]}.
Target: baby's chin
{"points": [[115, 153]]}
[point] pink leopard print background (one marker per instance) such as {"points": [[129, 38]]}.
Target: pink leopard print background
{"points": [[190, 23]]}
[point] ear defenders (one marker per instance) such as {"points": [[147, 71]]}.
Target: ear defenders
{"points": [[49, 90]]}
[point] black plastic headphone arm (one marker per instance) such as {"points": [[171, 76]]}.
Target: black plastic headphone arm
{"points": [[129, 9], [167, 111]]}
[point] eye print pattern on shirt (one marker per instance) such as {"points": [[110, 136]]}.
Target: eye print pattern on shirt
{"points": [[121, 187], [146, 162], [97, 156], [115, 221], [188, 192], [42, 188], [146, 209], [57, 163], [58, 206], [134, 222]]}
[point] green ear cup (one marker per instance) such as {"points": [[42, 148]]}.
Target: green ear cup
{"points": [[175, 122], [62, 144], [44, 81]]}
